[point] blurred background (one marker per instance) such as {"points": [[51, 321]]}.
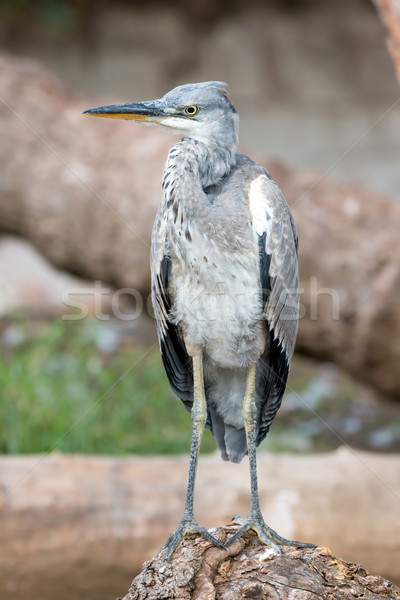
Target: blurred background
{"points": [[80, 370]]}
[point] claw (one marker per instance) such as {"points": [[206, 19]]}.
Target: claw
{"points": [[184, 527], [266, 535]]}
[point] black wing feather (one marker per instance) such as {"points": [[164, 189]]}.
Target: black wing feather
{"points": [[273, 366], [272, 374], [265, 261], [177, 362]]}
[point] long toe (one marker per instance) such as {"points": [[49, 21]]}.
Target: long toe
{"points": [[203, 532], [281, 540], [244, 526], [184, 527], [266, 535], [250, 523], [238, 520]]}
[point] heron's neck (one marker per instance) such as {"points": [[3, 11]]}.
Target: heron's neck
{"points": [[193, 165]]}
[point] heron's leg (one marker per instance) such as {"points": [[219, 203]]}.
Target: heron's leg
{"points": [[255, 519], [199, 416]]}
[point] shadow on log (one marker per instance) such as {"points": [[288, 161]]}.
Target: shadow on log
{"points": [[248, 569]]}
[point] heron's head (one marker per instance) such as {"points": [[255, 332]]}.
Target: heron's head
{"points": [[201, 111]]}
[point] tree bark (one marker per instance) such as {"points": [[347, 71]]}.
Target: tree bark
{"points": [[85, 192], [247, 569], [389, 11]]}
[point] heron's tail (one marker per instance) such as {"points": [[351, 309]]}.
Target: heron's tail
{"points": [[225, 404]]}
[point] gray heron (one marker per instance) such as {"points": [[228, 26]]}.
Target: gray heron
{"points": [[225, 285]]}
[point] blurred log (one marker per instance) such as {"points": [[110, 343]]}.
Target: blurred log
{"points": [[85, 192], [389, 11], [85, 196], [247, 569], [349, 255], [65, 520]]}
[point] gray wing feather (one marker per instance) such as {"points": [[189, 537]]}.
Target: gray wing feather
{"points": [[282, 307], [158, 286], [176, 360], [277, 237]]}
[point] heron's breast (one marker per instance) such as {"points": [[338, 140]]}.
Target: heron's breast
{"points": [[217, 302]]}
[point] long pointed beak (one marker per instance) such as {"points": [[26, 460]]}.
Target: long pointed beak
{"points": [[151, 110]]}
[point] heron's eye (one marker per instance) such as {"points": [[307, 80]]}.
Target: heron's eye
{"points": [[191, 110]]}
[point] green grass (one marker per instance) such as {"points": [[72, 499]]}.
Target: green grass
{"points": [[78, 386], [59, 391]]}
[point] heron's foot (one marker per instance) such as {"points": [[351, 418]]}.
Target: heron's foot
{"points": [[266, 535], [187, 525]]}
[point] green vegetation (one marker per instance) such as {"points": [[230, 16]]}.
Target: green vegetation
{"points": [[82, 386], [61, 391]]}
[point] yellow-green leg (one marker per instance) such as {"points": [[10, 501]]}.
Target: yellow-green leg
{"points": [[199, 416], [255, 519]]}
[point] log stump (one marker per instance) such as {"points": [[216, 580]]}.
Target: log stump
{"points": [[248, 569]]}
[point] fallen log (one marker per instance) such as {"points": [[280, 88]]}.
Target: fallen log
{"points": [[247, 569], [389, 12], [65, 520], [85, 193]]}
